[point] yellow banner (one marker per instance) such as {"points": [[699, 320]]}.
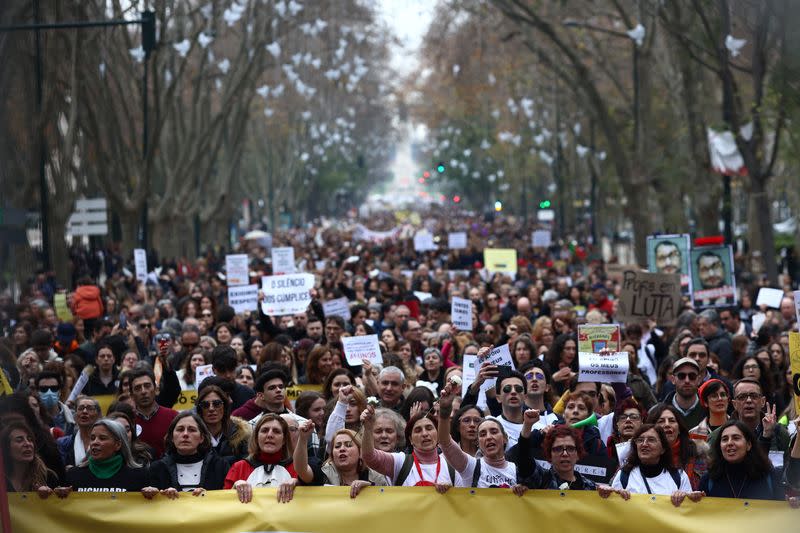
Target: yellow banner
{"points": [[794, 358], [393, 510], [294, 392], [186, 400], [500, 260]]}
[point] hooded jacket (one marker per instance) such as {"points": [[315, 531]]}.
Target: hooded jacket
{"points": [[87, 302]]}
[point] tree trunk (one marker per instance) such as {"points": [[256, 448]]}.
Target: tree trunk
{"points": [[761, 232]]}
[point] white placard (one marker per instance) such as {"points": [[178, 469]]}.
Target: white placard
{"points": [[422, 296], [423, 241], [500, 356], [797, 307], [140, 262], [202, 372], [283, 260], [366, 347], [623, 451], [236, 267], [461, 313], [320, 265], [541, 238], [769, 297], [757, 321], [776, 458], [607, 368], [338, 307], [457, 240], [286, 294], [243, 298]]}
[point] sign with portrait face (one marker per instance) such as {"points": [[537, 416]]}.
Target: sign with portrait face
{"points": [[669, 254], [713, 281]]}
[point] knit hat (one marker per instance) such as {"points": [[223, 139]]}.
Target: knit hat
{"points": [[702, 390]]}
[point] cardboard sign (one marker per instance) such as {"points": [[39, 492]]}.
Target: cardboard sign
{"points": [[649, 296], [769, 297], [615, 272], [243, 298], [237, 269], [62, 309], [500, 260], [670, 254], [713, 282], [202, 372], [595, 337], [500, 356], [794, 361], [338, 307], [608, 368], [461, 313], [286, 294], [283, 260], [457, 240], [541, 238], [364, 347], [140, 264], [423, 242]]}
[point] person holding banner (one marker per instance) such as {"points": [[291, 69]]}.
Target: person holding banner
{"points": [[491, 470], [24, 469], [686, 453], [189, 463], [422, 467], [649, 470]]}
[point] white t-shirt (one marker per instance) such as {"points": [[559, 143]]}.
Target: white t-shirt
{"points": [[490, 476], [512, 430], [428, 471], [661, 484]]}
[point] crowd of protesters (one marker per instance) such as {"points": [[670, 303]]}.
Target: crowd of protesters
{"points": [[708, 409]]}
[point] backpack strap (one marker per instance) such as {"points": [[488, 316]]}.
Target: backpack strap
{"points": [[408, 462], [676, 476], [623, 478], [452, 472], [476, 474]]}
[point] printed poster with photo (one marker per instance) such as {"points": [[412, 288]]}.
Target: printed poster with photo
{"points": [[713, 281], [670, 254]]}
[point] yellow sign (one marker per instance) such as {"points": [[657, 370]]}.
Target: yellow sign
{"points": [[500, 260], [294, 392], [794, 358], [186, 400], [62, 309], [330, 510], [5, 386]]}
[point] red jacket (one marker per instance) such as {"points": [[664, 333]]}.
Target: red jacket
{"points": [[87, 303]]}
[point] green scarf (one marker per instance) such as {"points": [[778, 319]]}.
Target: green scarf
{"points": [[106, 468]]}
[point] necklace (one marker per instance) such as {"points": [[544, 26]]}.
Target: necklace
{"points": [[741, 488]]}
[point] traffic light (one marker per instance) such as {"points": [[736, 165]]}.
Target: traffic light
{"points": [[544, 204], [456, 198], [426, 174], [440, 168]]}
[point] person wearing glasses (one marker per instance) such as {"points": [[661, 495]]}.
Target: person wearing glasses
{"points": [[491, 470], [686, 453], [753, 410], [464, 428], [649, 470], [229, 434], [714, 396], [686, 378], [628, 417], [189, 464], [73, 448]]}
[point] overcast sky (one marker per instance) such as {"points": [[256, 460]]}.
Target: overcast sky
{"points": [[409, 20]]}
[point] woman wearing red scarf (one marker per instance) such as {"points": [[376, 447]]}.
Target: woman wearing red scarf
{"points": [[269, 463], [685, 452]]}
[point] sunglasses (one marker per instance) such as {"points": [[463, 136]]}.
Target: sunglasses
{"points": [[519, 389], [691, 376], [51, 388], [530, 375], [206, 314], [144, 325], [205, 404]]}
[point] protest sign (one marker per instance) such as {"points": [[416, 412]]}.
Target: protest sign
{"points": [[62, 309], [595, 337], [243, 298], [616, 272], [338, 307], [500, 356], [461, 313], [500, 260], [713, 282], [769, 297], [422, 296], [647, 296], [541, 238], [283, 260], [286, 294], [457, 240], [757, 320], [363, 347], [608, 368], [794, 361], [202, 372], [423, 242], [237, 269], [140, 264], [670, 254]]}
